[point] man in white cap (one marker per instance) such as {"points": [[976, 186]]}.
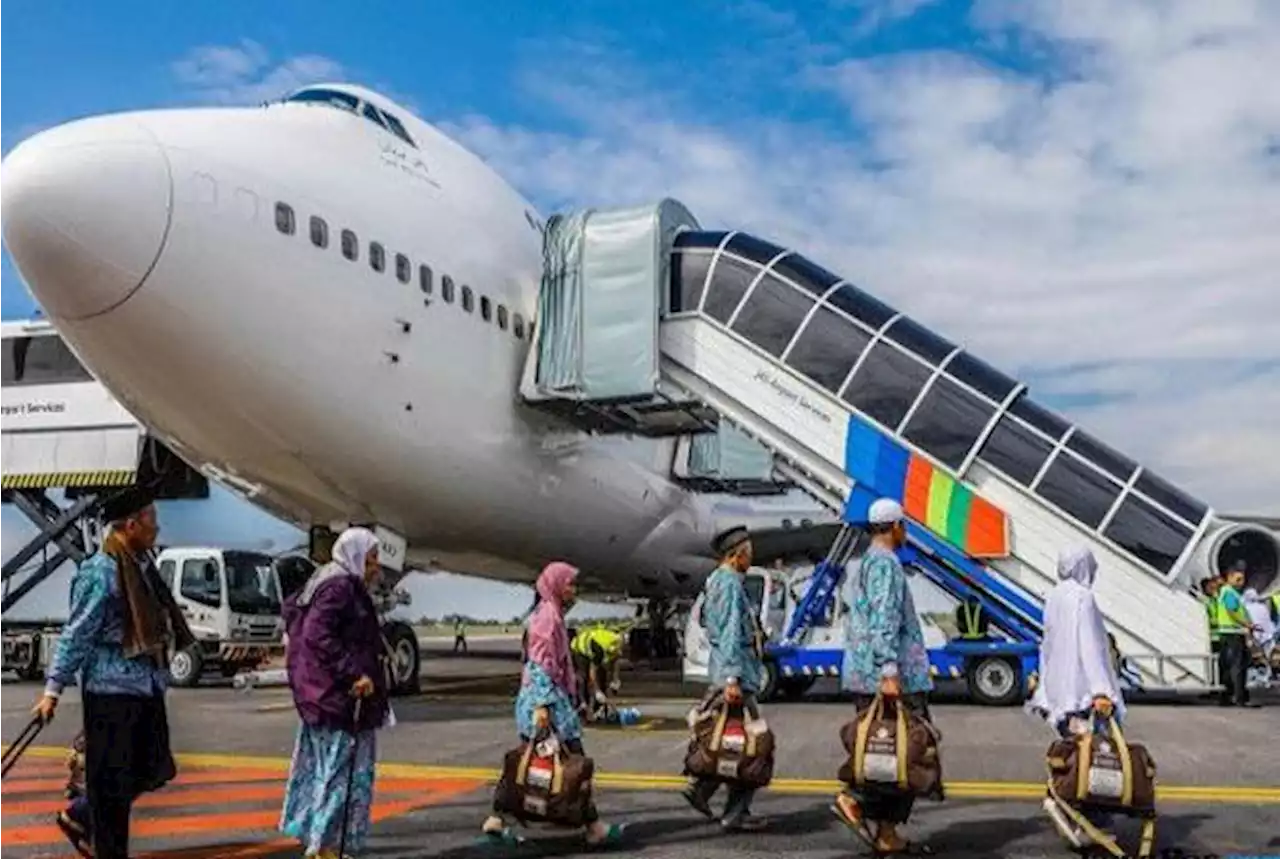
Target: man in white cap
{"points": [[884, 653]]}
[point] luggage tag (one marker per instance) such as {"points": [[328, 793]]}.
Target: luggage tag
{"points": [[880, 763], [547, 748], [1106, 773]]}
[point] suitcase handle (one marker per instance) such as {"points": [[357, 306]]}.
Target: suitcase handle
{"points": [[15, 751]]}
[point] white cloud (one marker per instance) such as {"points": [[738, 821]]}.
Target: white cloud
{"points": [[1118, 208], [245, 74]]}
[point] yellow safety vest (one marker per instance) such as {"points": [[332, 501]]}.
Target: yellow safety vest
{"points": [[610, 642], [1227, 622], [971, 613], [1211, 611]]}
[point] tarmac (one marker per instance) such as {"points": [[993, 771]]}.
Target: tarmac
{"points": [[1219, 775]]}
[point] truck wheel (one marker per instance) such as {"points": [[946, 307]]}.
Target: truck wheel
{"points": [[405, 659], [993, 681], [185, 666], [769, 683]]}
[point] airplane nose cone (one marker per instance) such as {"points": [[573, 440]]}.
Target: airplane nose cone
{"points": [[86, 211]]}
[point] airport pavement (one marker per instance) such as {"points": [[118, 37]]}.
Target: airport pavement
{"points": [[1220, 777]]}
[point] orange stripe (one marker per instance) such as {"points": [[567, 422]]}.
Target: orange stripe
{"points": [[915, 495], [178, 798], [987, 538], [236, 821], [198, 777]]}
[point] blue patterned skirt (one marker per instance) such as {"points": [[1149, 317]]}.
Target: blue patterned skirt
{"points": [[316, 795]]}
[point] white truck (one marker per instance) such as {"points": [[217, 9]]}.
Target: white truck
{"points": [[231, 599]]}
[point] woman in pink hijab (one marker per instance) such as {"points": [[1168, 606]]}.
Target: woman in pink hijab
{"points": [[546, 698]]}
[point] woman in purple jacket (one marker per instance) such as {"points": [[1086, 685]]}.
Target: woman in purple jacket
{"points": [[334, 658]]}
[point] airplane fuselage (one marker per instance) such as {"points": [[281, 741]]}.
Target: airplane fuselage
{"points": [[300, 299]]}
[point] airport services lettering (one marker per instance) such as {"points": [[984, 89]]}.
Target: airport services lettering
{"points": [[36, 407], [795, 397]]}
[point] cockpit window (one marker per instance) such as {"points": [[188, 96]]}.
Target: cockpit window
{"points": [[371, 113], [398, 130], [330, 97], [347, 101]]}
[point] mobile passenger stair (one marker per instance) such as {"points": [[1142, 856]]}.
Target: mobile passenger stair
{"points": [[650, 325]]}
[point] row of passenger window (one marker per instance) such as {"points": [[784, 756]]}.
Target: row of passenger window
{"points": [[883, 366], [349, 243]]}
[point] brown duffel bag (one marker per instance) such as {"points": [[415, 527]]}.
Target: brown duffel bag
{"points": [[891, 747], [1103, 771], [543, 783], [728, 746]]}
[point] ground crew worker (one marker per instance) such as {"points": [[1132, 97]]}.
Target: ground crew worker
{"points": [[596, 652], [972, 620], [1234, 626], [1209, 587], [459, 635]]}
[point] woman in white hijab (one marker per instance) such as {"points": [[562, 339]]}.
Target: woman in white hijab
{"points": [[1076, 673], [1077, 676]]}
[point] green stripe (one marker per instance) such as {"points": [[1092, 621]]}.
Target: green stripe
{"points": [[958, 516], [940, 489]]}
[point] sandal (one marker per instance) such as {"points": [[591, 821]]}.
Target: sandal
{"points": [[503, 837], [854, 821], [75, 833], [908, 848], [612, 838]]}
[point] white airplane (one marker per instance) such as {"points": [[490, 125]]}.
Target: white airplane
{"points": [[327, 302]]}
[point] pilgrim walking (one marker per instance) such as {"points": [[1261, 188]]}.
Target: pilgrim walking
{"points": [[336, 674], [123, 624]]}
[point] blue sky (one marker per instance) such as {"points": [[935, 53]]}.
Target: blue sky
{"points": [[1087, 198]]}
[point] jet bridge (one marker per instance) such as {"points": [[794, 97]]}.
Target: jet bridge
{"points": [[651, 325]]}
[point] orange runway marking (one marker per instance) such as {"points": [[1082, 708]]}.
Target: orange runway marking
{"points": [[393, 797], [29, 785]]}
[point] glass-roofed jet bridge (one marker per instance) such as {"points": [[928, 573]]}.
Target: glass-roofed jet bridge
{"points": [[650, 324]]}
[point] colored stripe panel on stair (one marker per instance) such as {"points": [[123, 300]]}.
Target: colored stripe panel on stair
{"points": [[928, 494]]}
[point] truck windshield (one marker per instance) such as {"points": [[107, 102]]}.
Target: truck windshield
{"points": [[252, 587]]}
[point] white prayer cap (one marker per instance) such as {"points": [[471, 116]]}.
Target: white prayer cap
{"points": [[885, 511]]}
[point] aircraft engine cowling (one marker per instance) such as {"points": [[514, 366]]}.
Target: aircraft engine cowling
{"points": [[1229, 542]]}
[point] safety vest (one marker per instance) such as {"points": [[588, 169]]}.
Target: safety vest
{"points": [[971, 620], [609, 641], [1227, 622], [1211, 611]]}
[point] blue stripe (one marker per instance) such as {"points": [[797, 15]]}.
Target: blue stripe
{"points": [[874, 459]]}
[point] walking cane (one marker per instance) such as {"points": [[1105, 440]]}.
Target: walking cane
{"points": [[351, 780], [14, 752]]}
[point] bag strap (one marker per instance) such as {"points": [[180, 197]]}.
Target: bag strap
{"points": [[557, 761], [717, 735], [1107, 842], [874, 712], [1085, 759], [901, 744], [1126, 759]]}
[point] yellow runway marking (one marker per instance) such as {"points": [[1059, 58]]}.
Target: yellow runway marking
{"points": [[1202, 794]]}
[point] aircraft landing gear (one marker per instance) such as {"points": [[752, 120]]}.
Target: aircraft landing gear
{"points": [[658, 641]]}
